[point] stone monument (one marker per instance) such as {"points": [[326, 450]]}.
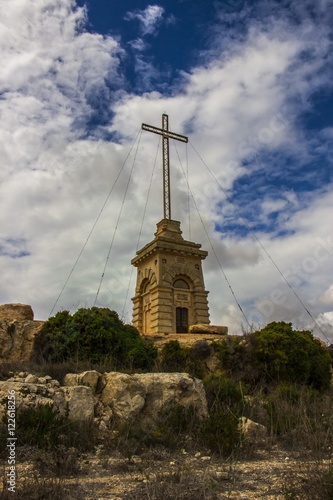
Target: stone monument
{"points": [[170, 294]]}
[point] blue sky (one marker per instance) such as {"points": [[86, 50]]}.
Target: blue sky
{"points": [[250, 83]]}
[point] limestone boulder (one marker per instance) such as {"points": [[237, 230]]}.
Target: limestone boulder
{"points": [[165, 390], [16, 312], [252, 432], [79, 403], [208, 329], [17, 339], [31, 391], [18, 332], [124, 394], [27, 394], [90, 378], [142, 398], [150, 396], [213, 363]]}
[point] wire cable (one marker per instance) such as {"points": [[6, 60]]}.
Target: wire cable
{"points": [[142, 222], [118, 219], [211, 244], [260, 244], [94, 225], [188, 196]]}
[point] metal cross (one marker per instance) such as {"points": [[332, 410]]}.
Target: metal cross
{"points": [[166, 134]]}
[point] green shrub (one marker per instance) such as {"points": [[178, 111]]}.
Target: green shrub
{"points": [[97, 335], [220, 432], [235, 354], [175, 358], [276, 354], [223, 393], [225, 405], [293, 356]]}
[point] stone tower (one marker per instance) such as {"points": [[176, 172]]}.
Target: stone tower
{"points": [[170, 292]]}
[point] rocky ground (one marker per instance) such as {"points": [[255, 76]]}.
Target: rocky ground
{"points": [[161, 475], [190, 476]]}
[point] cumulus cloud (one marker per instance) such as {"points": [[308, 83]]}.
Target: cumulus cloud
{"points": [[240, 107]]}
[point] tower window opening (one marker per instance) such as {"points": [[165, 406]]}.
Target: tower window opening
{"points": [[181, 284]]}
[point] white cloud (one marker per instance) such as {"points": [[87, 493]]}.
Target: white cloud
{"points": [[55, 179], [149, 18]]}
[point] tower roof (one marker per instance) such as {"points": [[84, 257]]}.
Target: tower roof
{"points": [[168, 238]]}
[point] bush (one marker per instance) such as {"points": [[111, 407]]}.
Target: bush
{"points": [[175, 358], [220, 432], [223, 393], [225, 405], [292, 356], [97, 335], [275, 354]]}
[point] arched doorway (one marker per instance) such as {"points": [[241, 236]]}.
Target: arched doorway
{"points": [[182, 312], [181, 319]]}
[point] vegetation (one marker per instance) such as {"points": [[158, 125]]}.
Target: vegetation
{"points": [[278, 377], [277, 354], [175, 358], [226, 405], [96, 335]]}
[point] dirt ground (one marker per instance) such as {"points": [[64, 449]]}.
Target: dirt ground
{"points": [[161, 475]]}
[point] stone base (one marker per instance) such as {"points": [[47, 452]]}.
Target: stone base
{"points": [[208, 329], [184, 339]]}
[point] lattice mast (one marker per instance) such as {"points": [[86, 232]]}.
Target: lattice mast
{"points": [[166, 135]]}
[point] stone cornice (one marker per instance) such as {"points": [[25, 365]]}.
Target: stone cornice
{"points": [[168, 238]]}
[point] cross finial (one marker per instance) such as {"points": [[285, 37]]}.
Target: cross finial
{"points": [[166, 135]]}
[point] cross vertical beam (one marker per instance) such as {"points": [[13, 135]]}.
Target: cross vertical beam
{"points": [[166, 169], [166, 135]]}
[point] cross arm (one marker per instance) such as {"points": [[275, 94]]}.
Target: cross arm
{"points": [[165, 133]]}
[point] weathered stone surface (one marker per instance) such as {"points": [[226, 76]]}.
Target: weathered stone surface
{"points": [[164, 390], [75, 402], [90, 378], [169, 278], [124, 394], [143, 398], [18, 332], [253, 433], [149, 396], [16, 311], [209, 329], [213, 363], [80, 403], [17, 339]]}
